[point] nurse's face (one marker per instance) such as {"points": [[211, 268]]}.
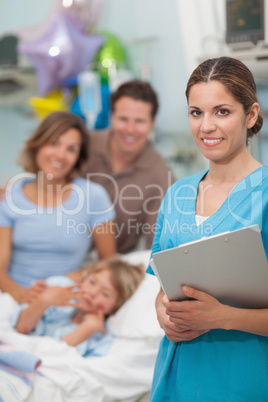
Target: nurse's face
{"points": [[218, 122]]}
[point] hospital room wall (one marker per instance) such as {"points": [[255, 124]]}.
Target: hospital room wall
{"points": [[15, 14], [16, 122]]}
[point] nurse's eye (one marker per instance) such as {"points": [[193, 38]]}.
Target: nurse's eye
{"points": [[223, 112], [195, 113]]}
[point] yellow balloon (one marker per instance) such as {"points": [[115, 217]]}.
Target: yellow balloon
{"points": [[55, 100]]}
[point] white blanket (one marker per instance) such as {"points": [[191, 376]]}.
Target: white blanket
{"points": [[122, 375]]}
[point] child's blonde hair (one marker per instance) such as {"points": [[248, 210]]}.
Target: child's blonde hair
{"points": [[125, 277]]}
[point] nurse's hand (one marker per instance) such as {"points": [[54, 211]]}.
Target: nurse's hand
{"points": [[202, 313], [173, 332]]}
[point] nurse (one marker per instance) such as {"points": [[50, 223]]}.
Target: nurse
{"points": [[211, 351]]}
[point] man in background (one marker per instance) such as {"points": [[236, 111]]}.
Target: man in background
{"points": [[126, 163]]}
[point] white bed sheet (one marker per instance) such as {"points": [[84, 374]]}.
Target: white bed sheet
{"points": [[124, 374]]}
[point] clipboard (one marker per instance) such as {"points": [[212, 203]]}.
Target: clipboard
{"points": [[230, 266]]}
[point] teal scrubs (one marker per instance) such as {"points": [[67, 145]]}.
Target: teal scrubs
{"points": [[221, 365]]}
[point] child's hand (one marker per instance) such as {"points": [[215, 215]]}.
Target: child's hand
{"points": [[95, 321], [60, 296]]}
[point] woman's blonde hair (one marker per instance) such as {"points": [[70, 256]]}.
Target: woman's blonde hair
{"points": [[125, 277], [51, 128]]}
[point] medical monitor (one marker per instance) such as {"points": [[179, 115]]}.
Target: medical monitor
{"points": [[246, 23]]}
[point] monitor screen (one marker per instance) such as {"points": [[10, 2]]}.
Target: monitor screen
{"points": [[245, 21]]}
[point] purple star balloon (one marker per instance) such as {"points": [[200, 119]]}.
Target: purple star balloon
{"points": [[61, 52], [83, 13]]}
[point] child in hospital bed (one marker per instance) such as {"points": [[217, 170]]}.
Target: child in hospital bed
{"points": [[76, 313]]}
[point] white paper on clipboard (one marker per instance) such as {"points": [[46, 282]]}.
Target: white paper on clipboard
{"points": [[230, 266]]}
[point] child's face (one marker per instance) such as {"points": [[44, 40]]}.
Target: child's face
{"points": [[98, 293]]}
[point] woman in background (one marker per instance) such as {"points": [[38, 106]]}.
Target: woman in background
{"points": [[211, 351], [52, 216]]}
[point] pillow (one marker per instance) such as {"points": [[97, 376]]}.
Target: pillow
{"points": [[137, 317]]}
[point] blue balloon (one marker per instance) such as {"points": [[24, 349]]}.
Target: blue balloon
{"points": [[75, 108], [103, 120], [71, 81]]}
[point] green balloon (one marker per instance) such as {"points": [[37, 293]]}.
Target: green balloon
{"points": [[112, 52]]}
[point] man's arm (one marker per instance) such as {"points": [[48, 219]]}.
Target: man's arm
{"points": [[2, 193], [104, 240]]}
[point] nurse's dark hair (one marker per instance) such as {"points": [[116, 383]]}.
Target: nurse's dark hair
{"points": [[237, 79], [50, 129]]}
